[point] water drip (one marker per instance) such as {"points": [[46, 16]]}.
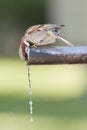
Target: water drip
{"points": [[30, 94]]}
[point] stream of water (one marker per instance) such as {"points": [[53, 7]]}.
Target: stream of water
{"points": [[30, 94]]}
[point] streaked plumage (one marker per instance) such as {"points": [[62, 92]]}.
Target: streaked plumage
{"points": [[40, 35]]}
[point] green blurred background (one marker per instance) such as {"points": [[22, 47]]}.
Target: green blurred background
{"points": [[59, 91]]}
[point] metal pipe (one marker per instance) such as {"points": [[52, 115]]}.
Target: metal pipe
{"points": [[58, 55]]}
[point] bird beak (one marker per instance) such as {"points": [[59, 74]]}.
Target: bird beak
{"points": [[26, 43]]}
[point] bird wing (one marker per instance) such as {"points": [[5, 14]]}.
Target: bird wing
{"points": [[38, 34]]}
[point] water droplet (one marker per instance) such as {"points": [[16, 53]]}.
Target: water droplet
{"points": [[31, 120], [30, 103]]}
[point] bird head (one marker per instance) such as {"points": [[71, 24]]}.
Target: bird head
{"points": [[22, 50]]}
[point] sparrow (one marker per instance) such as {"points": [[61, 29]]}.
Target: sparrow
{"points": [[40, 35]]}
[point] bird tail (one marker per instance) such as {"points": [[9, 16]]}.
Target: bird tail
{"points": [[65, 41]]}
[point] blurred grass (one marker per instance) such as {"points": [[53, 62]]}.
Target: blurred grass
{"points": [[59, 95]]}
